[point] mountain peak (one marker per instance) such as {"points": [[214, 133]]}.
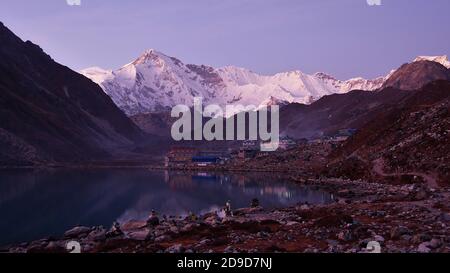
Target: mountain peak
{"points": [[149, 55], [414, 75], [438, 59], [151, 51], [7, 36], [157, 81], [325, 76], [232, 68]]}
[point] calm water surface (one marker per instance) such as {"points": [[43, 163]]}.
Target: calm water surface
{"points": [[36, 204]]}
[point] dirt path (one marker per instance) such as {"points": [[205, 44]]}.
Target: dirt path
{"points": [[378, 168]]}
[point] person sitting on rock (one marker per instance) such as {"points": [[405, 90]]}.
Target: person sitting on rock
{"points": [[255, 203], [228, 211], [153, 220], [193, 217], [115, 230]]}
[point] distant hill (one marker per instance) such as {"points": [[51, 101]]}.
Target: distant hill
{"points": [[417, 74]]}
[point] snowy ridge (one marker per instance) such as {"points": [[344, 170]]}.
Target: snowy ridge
{"points": [[156, 82], [438, 59]]}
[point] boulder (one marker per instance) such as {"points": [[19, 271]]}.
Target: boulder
{"points": [[345, 236], [420, 238], [379, 239], [98, 234], [435, 243], [397, 232], [423, 248], [178, 248], [77, 232]]}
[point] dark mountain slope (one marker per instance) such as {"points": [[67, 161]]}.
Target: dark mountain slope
{"points": [[414, 75], [49, 113], [411, 137], [331, 113], [353, 109]]}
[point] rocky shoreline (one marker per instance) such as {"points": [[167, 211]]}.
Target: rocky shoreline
{"points": [[401, 218]]}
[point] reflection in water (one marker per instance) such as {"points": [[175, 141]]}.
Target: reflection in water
{"points": [[34, 205]]}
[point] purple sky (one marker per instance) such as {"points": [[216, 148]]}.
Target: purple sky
{"points": [[345, 38]]}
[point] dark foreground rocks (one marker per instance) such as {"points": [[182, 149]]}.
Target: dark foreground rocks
{"points": [[411, 218]]}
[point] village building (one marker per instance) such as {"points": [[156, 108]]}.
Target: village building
{"points": [[180, 156], [188, 157], [204, 161]]}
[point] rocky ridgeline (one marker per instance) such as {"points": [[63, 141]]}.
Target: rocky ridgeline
{"points": [[421, 142], [410, 218]]}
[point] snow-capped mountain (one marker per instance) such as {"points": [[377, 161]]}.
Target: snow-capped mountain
{"points": [[156, 82], [438, 59]]}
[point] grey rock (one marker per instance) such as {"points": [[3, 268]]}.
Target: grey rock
{"points": [[397, 232], [204, 242], [379, 238], [345, 236], [423, 248], [421, 195], [406, 238], [77, 232], [229, 249], [162, 238], [178, 248], [97, 235], [435, 243], [420, 238]]}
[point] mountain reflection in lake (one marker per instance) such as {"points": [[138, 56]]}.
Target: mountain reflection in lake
{"points": [[35, 204]]}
